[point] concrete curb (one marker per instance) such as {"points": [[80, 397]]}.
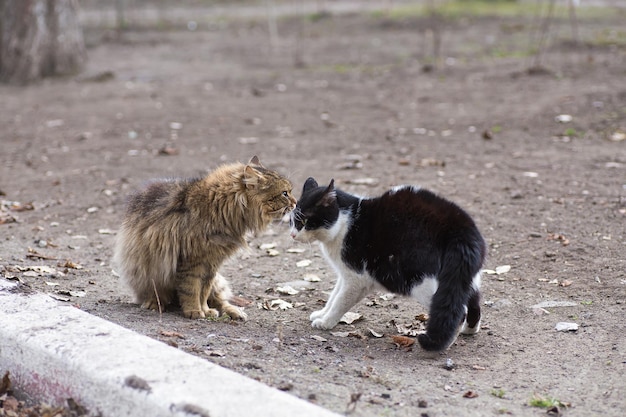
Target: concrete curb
{"points": [[56, 351]]}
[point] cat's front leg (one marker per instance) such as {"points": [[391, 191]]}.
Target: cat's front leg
{"points": [[320, 313], [351, 291]]}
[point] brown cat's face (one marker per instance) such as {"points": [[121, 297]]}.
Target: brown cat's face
{"points": [[270, 191]]}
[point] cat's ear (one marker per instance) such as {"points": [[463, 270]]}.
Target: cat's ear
{"points": [[330, 195], [250, 177], [309, 184], [255, 161]]}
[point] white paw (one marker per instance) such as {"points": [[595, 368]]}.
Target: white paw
{"points": [[323, 324], [470, 330], [316, 314]]}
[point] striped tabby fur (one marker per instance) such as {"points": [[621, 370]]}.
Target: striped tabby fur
{"points": [[177, 233]]}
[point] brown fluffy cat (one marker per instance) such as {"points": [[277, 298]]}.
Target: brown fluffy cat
{"points": [[177, 233]]}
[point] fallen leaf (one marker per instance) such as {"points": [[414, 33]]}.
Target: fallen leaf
{"points": [[402, 341], [566, 283], [272, 252], [470, 394], [350, 317], [39, 270], [423, 317], [311, 278], [375, 333], [431, 162], [215, 353], [32, 253], [17, 206], [70, 264], [319, 338], [503, 269], [410, 329], [5, 385], [304, 263], [168, 150], [387, 297], [287, 290], [266, 246], [172, 334], [240, 301], [59, 297], [106, 231], [277, 304], [296, 250], [559, 238], [478, 368], [566, 327]]}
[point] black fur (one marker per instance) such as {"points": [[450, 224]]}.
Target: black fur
{"points": [[401, 237]]}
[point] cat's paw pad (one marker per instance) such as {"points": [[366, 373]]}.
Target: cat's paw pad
{"points": [[322, 324], [316, 315]]}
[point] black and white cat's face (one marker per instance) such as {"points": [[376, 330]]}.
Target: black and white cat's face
{"points": [[315, 214]]}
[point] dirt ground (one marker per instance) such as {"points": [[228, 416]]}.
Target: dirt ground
{"points": [[358, 98]]}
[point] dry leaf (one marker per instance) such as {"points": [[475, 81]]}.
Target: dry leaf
{"points": [[503, 269], [266, 246], [5, 385], [240, 301], [287, 290], [566, 283], [172, 334], [77, 293], [559, 238], [402, 341], [319, 338], [478, 368], [296, 250], [470, 394], [272, 252], [304, 263], [311, 278], [375, 333], [350, 317], [423, 317], [70, 264], [277, 304]]}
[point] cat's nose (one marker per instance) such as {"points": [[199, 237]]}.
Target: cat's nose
{"points": [[293, 234]]}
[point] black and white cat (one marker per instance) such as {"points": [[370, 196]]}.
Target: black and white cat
{"points": [[408, 241]]}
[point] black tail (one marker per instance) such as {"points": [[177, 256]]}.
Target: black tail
{"points": [[448, 306]]}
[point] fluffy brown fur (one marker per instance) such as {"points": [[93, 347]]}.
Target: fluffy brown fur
{"points": [[177, 233]]}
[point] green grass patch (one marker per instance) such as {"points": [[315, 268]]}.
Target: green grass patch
{"points": [[498, 393], [454, 9], [545, 402]]}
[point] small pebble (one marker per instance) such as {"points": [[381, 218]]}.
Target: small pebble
{"points": [[449, 364]]}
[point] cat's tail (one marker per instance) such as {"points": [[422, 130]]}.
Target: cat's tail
{"points": [[459, 281]]}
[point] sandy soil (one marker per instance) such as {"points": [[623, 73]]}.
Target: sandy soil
{"points": [[350, 97]]}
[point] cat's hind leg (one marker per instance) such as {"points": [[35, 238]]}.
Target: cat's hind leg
{"points": [[471, 324], [218, 299], [349, 291]]}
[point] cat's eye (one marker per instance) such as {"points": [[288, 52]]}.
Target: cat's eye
{"points": [[286, 193]]}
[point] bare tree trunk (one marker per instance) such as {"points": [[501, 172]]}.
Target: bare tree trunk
{"points": [[39, 38]]}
